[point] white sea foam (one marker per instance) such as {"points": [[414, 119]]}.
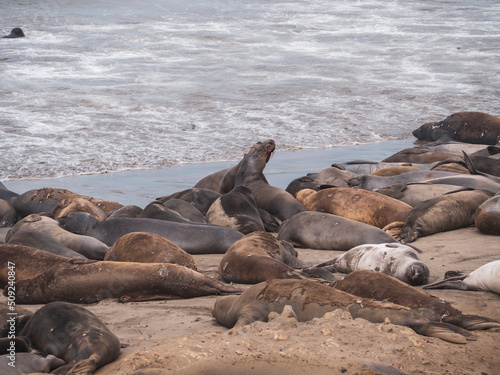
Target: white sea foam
{"points": [[116, 85]]}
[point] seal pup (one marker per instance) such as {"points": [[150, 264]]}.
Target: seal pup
{"points": [[362, 205], [156, 210], [467, 126], [88, 246], [259, 256], [444, 213], [30, 363], [274, 200], [310, 300], [317, 230], [185, 209], [74, 334], [487, 216], [93, 281], [394, 259], [16, 32], [148, 248], [486, 277], [382, 287], [236, 210], [200, 198]]}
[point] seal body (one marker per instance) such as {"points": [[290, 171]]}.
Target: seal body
{"points": [[148, 248], [276, 201], [444, 213], [257, 257], [310, 300], [487, 216], [468, 126], [362, 205], [89, 282], [397, 260], [16, 32], [236, 210], [30, 363], [200, 198], [317, 230], [486, 277], [72, 333], [372, 182]]}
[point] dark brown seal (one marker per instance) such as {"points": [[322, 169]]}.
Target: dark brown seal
{"points": [[487, 216], [310, 300]]}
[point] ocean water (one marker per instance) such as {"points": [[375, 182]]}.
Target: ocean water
{"points": [[114, 85]]}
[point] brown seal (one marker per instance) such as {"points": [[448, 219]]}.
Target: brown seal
{"points": [[92, 281], [382, 287], [420, 155], [468, 126], [148, 248], [487, 216], [274, 200], [393, 171], [259, 256], [444, 213], [74, 334], [413, 194], [311, 300], [362, 205], [67, 206]]}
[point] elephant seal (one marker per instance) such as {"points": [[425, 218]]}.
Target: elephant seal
{"points": [[93, 281], [88, 246], [413, 194], [127, 211], [441, 214], [16, 344], [467, 126], [45, 200], [336, 175], [487, 216], [29, 262], [195, 238], [148, 248], [274, 200], [362, 205], [29, 363], [200, 198], [259, 256], [317, 230], [223, 181], [371, 182], [394, 171], [475, 182], [420, 155], [156, 210], [39, 240], [16, 32], [304, 182], [310, 300], [382, 287], [185, 209], [236, 210], [74, 334], [486, 277], [8, 214], [394, 259], [67, 206]]}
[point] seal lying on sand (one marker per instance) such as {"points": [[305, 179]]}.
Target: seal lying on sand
{"points": [[382, 287], [365, 206], [317, 230], [274, 200], [397, 260], [440, 214], [259, 256], [81, 282], [309, 300], [30, 363], [487, 216], [74, 334], [486, 277]]}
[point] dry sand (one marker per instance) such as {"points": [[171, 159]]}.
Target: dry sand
{"points": [[181, 337]]}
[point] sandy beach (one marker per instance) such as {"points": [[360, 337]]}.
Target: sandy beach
{"points": [[181, 337]]}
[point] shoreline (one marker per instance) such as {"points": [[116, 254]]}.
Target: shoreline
{"points": [[140, 187]]}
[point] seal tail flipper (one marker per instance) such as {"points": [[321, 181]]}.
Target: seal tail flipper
{"points": [[469, 164], [450, 283], [444, 331], [320, 273], [472, 322]]}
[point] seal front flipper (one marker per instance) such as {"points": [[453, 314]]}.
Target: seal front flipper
{"points": [[449, 283]]}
